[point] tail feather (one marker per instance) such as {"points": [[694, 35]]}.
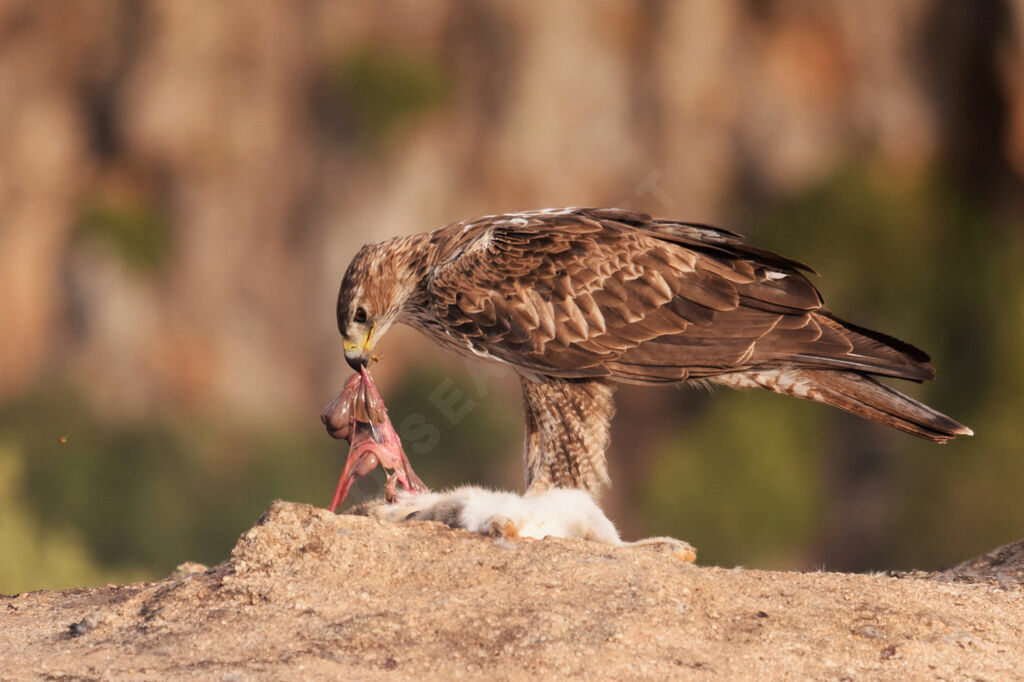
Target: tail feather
{"points": [[865, 397], [858, 394]]}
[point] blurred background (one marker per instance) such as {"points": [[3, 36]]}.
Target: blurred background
{"points": [[182, 184]]}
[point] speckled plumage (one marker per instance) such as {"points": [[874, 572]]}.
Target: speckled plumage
{"points": [[575, 300]]}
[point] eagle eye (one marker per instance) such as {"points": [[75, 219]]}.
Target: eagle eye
{"points": [[360, 315]]}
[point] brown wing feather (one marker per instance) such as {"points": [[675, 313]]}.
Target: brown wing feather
{"points": [[611, 293]]}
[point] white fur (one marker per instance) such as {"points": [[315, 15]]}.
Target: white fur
{"points": [[557, 512]]}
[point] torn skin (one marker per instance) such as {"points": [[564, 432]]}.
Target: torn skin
{"points": [[358, 415]]}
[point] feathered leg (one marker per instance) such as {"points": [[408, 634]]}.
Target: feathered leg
{"points": [[568, 428]]}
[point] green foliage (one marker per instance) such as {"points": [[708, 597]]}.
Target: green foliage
{"points": [[36, 556], [742, 484], [378, 89], [135, 229], [145, 496]]}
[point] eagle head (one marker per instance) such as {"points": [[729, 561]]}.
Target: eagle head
{"points": [[374, 291]]}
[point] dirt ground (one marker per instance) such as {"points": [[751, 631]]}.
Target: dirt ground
{"points": [[310, 595]]}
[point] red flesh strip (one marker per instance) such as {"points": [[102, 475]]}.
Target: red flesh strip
{"points": [[359, 416]]}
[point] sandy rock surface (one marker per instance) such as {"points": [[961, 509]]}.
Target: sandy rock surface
{"points": [[310, 595]]}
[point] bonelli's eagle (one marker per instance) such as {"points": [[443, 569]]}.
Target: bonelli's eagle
{"points": [[576, 300]]}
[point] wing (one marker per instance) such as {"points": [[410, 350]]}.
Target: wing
{"points": [[580, 293]]}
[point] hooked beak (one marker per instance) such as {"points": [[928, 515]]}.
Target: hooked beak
{"points": [[357, 354]]}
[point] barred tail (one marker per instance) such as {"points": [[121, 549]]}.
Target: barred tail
{"points": [[858, 394]]}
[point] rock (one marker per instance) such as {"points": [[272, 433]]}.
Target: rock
{"points": [[1004, 564], [307, 594]]}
